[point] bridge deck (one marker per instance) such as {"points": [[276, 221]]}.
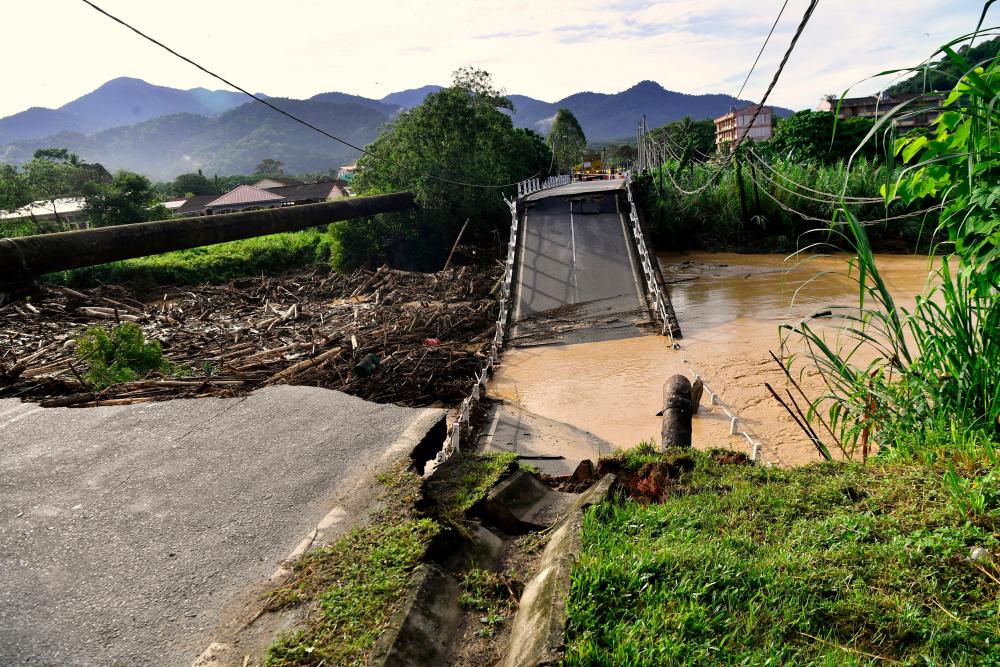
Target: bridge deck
{"points": [[579, 188], [577, 254]]}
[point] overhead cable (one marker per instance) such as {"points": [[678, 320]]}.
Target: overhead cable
{"points": [[763, 46], [274, 107]]}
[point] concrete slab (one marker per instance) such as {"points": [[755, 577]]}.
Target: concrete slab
{"points": [[553, 447], [125, 531]]}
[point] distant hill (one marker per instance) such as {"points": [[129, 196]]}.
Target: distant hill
{"points": [[407, 99], [39, 122], [607, 117], [231, 143], [942, 74], [346, 98], [162, 132], [121, 101]]}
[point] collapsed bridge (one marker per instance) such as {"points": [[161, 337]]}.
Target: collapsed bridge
{"points": [[582, 264]]}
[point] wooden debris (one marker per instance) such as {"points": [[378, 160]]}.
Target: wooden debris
{"points": [[308, 327]]}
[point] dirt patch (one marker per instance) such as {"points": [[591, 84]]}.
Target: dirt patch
{"points": [[652, 481], [730, 457], [416, 339]]}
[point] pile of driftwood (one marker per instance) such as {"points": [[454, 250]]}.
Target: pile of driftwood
{"points": [[390, 336]]}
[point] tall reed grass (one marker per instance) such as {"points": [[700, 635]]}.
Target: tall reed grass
{"points": [[915, 379]]}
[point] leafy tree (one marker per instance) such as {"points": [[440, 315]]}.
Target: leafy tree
{"points": [[57, 155], [194, 185], [618, 155], [459, 134], [532, 152], [48, 181], [567, 140], [129, 198], [809, 136], [14, 189], [691, 140], [943, 74], [270, 167]]}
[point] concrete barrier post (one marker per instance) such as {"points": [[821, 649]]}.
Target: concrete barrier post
{"points": [[676, 430]]}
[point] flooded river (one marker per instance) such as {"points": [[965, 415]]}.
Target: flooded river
{"points": [[729, 307]]}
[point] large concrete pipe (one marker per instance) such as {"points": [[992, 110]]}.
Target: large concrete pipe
{"points": [[26, 257], [676, 431]]}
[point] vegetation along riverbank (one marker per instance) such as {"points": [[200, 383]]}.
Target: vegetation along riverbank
{"points": [[888, 554]]}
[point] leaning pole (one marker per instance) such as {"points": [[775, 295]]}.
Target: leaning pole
{"points": [[27, 257]]}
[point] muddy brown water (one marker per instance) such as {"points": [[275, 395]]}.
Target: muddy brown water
{"points": [[729, 307]]}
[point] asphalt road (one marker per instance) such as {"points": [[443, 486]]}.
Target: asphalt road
{"points": [[578, 188], [124, 531], [575, 257]]}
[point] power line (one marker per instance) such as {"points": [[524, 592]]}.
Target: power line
{"points": [[279, 109], [763, 46], [864, 223], [833, 197], [767, 93]]}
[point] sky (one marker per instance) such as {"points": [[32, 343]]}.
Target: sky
{"points": [[546, 49]]}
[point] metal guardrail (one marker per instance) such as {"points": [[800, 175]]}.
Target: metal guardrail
{"points": [[530, 185], [735, 423], [453, 441], [652, 287]]}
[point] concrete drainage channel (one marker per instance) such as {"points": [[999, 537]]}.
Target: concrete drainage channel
{"points": [[430, 625]]}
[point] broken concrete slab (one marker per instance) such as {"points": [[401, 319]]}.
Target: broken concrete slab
{"points": [[553, 447], [421, 629], [521, 503], [129, 531], [538, 635]]}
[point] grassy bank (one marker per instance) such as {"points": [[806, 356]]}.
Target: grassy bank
{"points": [[829, 564], [352, 586]]}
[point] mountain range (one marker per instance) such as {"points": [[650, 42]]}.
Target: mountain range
{"points": [[160, 131]]}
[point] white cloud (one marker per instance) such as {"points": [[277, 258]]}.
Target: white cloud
{"points": [[543, 49]]}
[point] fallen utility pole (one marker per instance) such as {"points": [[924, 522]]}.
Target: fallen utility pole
{"points": [[27, 257]]}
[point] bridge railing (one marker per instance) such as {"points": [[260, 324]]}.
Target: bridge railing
{"points": [[530, 185], [453, 440], [652, 286]]}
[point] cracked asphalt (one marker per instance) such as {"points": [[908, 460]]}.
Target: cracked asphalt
{"points": [[125, 530]]}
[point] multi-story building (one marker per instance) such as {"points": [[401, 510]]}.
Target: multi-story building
{"points": [[922, 110], [730, 127]]}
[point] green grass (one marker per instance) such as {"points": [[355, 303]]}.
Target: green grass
{"points": [[712, 217], [829, 564], [212, 264], [492, 594], [353, 584], [464, 481]]}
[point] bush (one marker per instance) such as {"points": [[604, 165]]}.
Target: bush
{"points": [[209, 264], [774, 200], [123, 355]]}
